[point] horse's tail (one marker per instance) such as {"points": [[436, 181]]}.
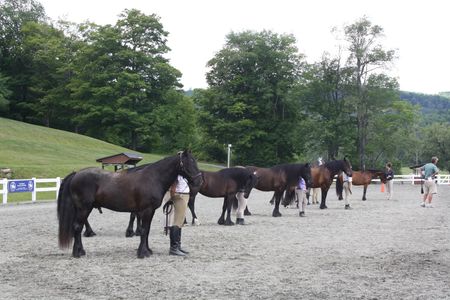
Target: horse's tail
{"points": [[339, 187], [66, 213], [289, 197], [235, 202]]}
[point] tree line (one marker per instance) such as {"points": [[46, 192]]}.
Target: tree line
{"points": [[114, 82]]}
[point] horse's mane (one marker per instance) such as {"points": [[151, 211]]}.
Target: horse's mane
{"points": [[334, 165], [141, 167], [136, 169], [233, 172]]}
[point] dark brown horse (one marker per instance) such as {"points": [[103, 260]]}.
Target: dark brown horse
{"points": [[360, 178], [280, 178], [322, 176], [223, 183], [140, 189]]}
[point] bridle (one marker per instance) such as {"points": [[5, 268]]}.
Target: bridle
{"points": [[180, 153]]}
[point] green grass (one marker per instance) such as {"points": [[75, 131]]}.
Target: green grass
{"points": [[41, 152]]}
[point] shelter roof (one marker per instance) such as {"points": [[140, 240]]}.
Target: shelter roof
{"points": [[124, 158]]}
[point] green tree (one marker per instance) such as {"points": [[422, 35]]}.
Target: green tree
{"points": [[325, 100], [436, 142], [121, 78], [367, 58], [248, 103], [4, 94], [50, 53], [14, 63]]}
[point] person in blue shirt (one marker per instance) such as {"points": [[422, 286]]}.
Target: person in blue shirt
{"points": [[429, 171]]}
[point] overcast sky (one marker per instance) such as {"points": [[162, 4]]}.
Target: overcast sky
{"points": [[418, 30]]}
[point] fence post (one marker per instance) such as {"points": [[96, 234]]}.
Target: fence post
{"points": [[33, 194], [58, 185], [5, 191]]}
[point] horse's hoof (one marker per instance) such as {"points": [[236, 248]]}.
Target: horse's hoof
{"points": [[276, 214], [323, 207], [364, 199], [196, 222], [231, 223], [247, 213], [89, 234], [221, 221], [129, 233], [340, 198]]}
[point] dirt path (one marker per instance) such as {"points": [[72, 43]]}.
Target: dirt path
{"points": [[379, 250]]}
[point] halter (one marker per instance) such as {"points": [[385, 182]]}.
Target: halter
{"points": [[180, 153]]}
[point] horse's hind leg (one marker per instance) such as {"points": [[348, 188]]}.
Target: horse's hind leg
{"points": [[324, 197], [80, 220], [364, 193], [130, 232], [247, 212], [88, 232], [191, 205]]}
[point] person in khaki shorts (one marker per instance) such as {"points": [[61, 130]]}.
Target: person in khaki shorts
{"points": [[175, 209], [429, 171]]}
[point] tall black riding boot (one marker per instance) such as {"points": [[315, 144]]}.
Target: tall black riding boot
{"points": [[174, 241], [179, 243]]}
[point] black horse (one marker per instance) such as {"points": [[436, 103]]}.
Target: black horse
{"points": [[140, 189], [281, 178], [223, 183]]}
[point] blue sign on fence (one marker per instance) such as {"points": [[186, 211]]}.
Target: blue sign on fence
{"points": [[20, 186]]}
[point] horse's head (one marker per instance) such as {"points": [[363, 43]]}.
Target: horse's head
{"points": [[382, 176], [189, 169], [250, 183], [306, 174], [347, 168]]}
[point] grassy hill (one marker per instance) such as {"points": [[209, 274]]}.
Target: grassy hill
{"points": [[41, 152]]}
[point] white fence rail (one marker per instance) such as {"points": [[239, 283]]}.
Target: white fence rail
{"points": [[409, 179], [9, 186], [416, 179]]}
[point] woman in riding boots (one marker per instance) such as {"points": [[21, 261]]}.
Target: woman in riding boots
{"points": [[179, 192]]}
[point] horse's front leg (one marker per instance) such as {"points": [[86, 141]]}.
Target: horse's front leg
{"points": [[229, 200], [276, 209], [221, 220], [143, 249], [364, 193], [324, 197], [88, 232]]}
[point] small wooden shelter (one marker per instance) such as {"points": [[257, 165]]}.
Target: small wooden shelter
{"points": [[120, 161]]}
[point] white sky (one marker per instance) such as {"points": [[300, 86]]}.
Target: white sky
{"points": [[418, 30]]}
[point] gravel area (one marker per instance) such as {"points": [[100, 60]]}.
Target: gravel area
{"points": [[378, 250]]}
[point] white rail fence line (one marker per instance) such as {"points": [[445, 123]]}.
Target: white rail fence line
{"points": [[412, 179], [34, 190]]}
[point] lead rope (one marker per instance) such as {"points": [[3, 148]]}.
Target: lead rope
{"points": [[167, 209]]}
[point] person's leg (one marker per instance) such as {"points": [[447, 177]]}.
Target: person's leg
{"points": [[242, 204], [180, 202], [302, 203], [347, 186]]}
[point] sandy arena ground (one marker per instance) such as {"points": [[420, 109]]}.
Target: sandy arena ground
{"points": [[379, 250]]}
